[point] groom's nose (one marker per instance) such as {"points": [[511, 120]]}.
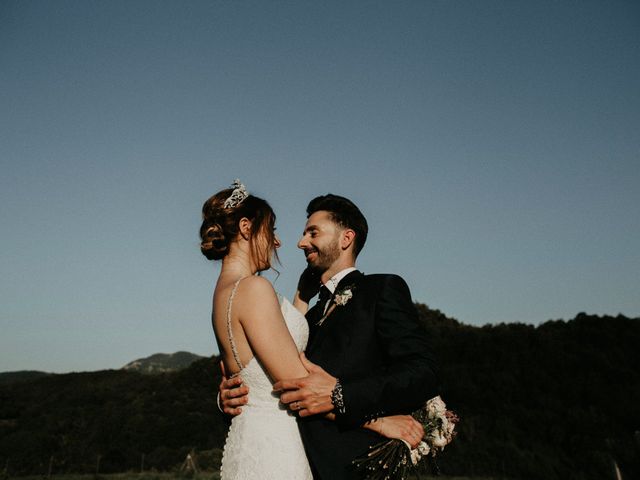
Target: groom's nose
{"points": [[302, 243]]}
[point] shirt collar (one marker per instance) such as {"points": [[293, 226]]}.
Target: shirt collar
{"points": [[332, 283]]}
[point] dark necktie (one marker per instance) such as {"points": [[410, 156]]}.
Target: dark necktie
{"points": [[317, 311], [323, 298]]}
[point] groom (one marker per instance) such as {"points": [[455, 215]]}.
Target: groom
{"points": [[367, 354]]}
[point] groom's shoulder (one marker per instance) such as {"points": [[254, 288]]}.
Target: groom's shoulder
{"points": [[385, 279]]}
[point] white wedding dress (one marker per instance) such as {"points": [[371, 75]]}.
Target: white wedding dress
{"points": [[263, 441]]}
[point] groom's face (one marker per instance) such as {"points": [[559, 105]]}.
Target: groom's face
{"points": [[320, 241]]}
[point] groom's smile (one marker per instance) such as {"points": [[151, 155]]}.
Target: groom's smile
{"points": [[320, 241], [309, 254]]}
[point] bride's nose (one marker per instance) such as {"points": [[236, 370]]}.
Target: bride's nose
{"points": [[276, 242]]}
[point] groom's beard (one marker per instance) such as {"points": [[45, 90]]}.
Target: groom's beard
{"points": [[326, 257]]}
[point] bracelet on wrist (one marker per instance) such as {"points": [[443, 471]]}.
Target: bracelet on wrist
{"points": [[337, 400]]}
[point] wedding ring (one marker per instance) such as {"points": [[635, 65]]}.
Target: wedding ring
{"points": [[296, 405]]}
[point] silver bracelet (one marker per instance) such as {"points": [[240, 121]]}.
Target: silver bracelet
{"points": [[337, 400]]}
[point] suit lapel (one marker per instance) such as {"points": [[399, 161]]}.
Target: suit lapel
{"points": [[317, 333]]}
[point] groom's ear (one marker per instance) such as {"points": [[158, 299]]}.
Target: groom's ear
{"points": [[347, 238]]}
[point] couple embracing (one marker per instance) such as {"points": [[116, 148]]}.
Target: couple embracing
{"points": [[368, 362]]}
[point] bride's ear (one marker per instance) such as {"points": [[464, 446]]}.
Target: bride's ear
{"points": [[244, 225]]}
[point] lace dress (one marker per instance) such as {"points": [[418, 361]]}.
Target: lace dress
{"points": [[263, 441]]}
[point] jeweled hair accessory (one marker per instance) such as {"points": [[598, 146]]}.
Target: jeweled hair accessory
{"points": [[237, 196]]}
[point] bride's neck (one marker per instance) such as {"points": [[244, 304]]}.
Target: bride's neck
{"points": [[238, 265]]}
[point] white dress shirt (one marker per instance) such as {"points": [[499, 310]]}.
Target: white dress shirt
{"points": [[333, 282]]}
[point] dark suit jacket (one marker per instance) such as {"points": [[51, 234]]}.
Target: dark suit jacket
{"points": [[376, 347]]}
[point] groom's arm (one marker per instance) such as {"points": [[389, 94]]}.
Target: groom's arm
{"points": [[406, 381], [408, 377]]}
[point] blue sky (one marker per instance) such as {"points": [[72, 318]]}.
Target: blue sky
{"points": [[492, 145]]}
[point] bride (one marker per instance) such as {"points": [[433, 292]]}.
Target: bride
{"points": [[260, 335]]}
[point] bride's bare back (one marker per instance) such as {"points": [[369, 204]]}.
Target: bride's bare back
{"points": [[257, 327]]}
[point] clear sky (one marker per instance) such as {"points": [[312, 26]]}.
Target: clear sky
{"points": [[494, 147]]}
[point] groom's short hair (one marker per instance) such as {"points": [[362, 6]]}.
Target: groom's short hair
{"points": [[343, 212]]}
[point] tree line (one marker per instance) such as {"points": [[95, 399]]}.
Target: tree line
{"points": [[556, 401]]}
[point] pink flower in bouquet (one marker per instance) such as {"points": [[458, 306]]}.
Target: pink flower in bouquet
{"points": [[450, 424]]}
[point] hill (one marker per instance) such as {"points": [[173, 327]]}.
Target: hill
{"points": [[156, 363], [554, 401], [162, 362], [21, 376]]}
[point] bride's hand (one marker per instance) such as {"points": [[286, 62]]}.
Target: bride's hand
{"points": [[308, 285], [401, 427]]}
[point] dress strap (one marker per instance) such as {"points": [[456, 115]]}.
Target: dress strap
{"points": [[234, 350]]}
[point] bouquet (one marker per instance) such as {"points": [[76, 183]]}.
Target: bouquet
{"points": [[392, 459]]}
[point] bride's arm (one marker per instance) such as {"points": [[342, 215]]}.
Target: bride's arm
{"points": [[301, 305], [266, 331]]}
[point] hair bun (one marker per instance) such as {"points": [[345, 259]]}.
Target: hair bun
{"points": [[214, 244], [220, 227]]}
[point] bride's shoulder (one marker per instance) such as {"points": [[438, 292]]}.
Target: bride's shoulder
{"points": [[256, 281], [256, 287]]}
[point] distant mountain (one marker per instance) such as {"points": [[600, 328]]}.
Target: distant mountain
{"points": [[162, 362], [21, 376], [157, 363]]}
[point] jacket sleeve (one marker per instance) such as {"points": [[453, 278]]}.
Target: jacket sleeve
{"points": [[408, 377]]}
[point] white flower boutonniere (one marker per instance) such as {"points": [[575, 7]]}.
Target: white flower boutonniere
{"points": [[340, 299], [343, 297]]}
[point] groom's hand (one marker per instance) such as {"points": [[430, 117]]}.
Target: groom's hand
{"points": [[232, 393], [309, 395]]}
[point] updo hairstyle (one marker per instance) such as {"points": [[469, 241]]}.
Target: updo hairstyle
{"points": [[220, 226]]}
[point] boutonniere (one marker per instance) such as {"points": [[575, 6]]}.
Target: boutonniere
{"points": [[340, 299]]}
